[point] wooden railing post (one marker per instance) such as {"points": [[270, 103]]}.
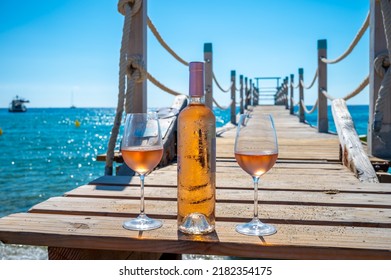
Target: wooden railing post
{"points": [[245, 93], [256, 99], [138, 33], [323, 123], [233, 97], [208, 58], [301, 95], [250, 93], [379, 144], [291, 96], [241, 94], [286, 93]]}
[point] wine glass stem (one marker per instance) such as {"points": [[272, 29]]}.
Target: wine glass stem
{"points": [[256, 180], [142, 194]]}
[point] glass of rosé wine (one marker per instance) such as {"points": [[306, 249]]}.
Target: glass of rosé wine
{"points": [[256, 151], [142, 150]]}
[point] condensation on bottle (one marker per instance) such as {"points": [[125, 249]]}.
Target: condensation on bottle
{"points": [[196, 153]]}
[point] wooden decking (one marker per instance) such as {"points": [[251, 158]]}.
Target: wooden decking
{"points": [[319, 207]]}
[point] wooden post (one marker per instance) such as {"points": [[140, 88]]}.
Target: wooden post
{"points": [[256, 99], [250, 93], [323, 123], [208, 58], [301, 95], [378, 147], [241, 95], [245, 93], [291, 97], [138, 47], [233, 97], [286, 93]]}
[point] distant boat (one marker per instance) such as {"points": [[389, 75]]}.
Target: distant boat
{"points": [[72, 105], [17, 105]]}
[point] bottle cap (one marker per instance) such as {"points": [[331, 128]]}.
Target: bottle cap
{"points": [[196, 79]]}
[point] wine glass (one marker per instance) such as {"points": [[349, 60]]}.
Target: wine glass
{"points": [[256, 151], [142, 150]]}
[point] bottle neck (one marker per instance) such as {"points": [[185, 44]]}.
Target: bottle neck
{"points": [[197, 100]]}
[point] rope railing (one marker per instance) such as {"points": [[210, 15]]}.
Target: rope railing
{"points": [[321, 77], [222, 107], [360, 87], [313, 81], [164, 44], [358, 37], [219, 86], [312, 109], [157, 35]]}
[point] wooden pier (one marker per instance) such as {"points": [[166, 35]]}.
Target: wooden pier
{"points": [[321, 210]]}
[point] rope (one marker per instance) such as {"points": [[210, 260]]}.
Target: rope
{"points": [[325, 93], [358, 37], [219, 86], [135, 65], [293, 102], [163, 43], [134, 4], [361, 86], [127, 8], [312, 83], [222, 108], [382, 66], [312, 109]]}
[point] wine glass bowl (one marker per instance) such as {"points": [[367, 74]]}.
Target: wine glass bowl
{"points": [[256, 151], [142, 150]]}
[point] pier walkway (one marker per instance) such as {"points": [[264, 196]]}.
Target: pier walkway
{"points": [[321, 210]]}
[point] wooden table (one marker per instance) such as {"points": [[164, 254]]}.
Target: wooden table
{"points": [[353, 222]]}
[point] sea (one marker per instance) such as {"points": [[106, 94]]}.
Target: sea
{"points": [[46, 152]]}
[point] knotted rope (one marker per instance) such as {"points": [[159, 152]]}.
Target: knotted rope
{"points": [[128, 8], [382, 67]]}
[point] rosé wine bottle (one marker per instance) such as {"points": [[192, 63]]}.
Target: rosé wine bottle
{"points": [[196, 160]]}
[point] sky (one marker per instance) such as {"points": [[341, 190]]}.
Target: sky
{"points": [[51, 50]]}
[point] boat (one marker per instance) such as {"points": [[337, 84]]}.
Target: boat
{"points": [[72, 104], [17, 105]]}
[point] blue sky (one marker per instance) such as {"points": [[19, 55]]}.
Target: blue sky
{"points": [[51, 48]]}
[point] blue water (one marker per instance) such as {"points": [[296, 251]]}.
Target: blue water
{"points": [[44, 154], [359, 115]]}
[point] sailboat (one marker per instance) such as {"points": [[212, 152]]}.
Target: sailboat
{"points": [[72, 105]]}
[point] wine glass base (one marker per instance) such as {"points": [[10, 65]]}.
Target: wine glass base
{"points": [[142, 222], [256, 227]]}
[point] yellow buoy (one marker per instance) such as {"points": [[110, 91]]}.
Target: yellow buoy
{"points": [[1, 131], [77, 123]]}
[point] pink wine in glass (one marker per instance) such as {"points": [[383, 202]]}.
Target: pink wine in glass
{"points": [[142, 160], [256, 164]]}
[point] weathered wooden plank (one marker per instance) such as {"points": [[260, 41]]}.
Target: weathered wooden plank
{"points": [[353, 154], [307, 212], [290, 241]]}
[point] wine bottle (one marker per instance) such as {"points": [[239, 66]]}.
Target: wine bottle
{"points": [[196, 154]]}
